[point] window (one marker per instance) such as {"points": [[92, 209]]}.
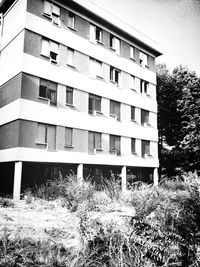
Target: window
{"points": [[68, 137], [132, 52], [70, 57], [132, 82], [52, 11], [132, 113], [144, 87], [96, 34], [145, 148], [46, 135], [95, 68], [69, 95], [144, 117], [42, 133], [48, 90], [71, 20], [133, 148], [143, 59], [94, 141], [115, 109], [115, 44], [50, 49], [94, 104], [115, 146], [115, 75]]}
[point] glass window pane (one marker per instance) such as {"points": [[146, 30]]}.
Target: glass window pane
{"points": [[41, 133], [70, 56], [68, 136], [71, 20], [69, 95], [47, 8], [97, 141]]}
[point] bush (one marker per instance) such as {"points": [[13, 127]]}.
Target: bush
{"points": [[69, 189]]}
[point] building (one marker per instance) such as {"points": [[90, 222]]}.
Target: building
{"points": [[77, 92]]}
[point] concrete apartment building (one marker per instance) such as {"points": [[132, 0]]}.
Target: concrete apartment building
{"points": [[77, 92]]}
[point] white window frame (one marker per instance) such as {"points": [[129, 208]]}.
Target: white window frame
{"points": [[132, 52], [70, 56], [51, 47], [115, 44], [113, 74], [95, 68], [71, 20], [143, 59]]}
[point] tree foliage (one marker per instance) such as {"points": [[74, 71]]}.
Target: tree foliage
{"points": [[178, 119]]}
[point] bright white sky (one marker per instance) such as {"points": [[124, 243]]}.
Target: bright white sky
{"points": [[174, 24]]}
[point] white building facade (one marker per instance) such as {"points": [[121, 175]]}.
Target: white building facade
{"points": [[77, 93]]}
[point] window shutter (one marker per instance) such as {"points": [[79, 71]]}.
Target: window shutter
{"points": [[47, 8], [54, 47], [98, 67], [98, 103], [97, 140], [41, 134], [56, 10], [117, 46], [112, 107], [69, 95], [91, 141], [92, 68], [92, 33], [68, 136], [70, 57], [45, 49], [132, 52]]}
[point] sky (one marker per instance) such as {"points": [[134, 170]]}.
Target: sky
{"points": [[173, 24]]}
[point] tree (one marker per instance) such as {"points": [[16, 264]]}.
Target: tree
{"points": [[178, 119]]}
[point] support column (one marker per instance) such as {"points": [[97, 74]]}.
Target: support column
{"points": [[17, 180], [155, 176], [123, 175], [80, 173]]}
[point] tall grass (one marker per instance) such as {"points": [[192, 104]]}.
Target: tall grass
{"points": [[165, 230]]}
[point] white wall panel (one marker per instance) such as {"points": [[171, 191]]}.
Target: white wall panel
{"points": [[11, 60], [14, 22]]}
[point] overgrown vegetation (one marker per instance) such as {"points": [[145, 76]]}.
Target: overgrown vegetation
{"points": [[163, 230]]}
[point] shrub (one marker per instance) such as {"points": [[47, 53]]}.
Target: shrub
{"points": [[69, 189], [6, 203]]}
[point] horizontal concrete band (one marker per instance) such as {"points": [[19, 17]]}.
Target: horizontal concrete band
{"points": [[38, 155], [38, 112]]}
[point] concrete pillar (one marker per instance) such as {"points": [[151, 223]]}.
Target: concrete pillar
{"points": [[17, 180], [80, 173], [155, 176], [123, 175]]}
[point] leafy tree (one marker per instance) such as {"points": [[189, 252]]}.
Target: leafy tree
{"points": [[178, 119]]}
